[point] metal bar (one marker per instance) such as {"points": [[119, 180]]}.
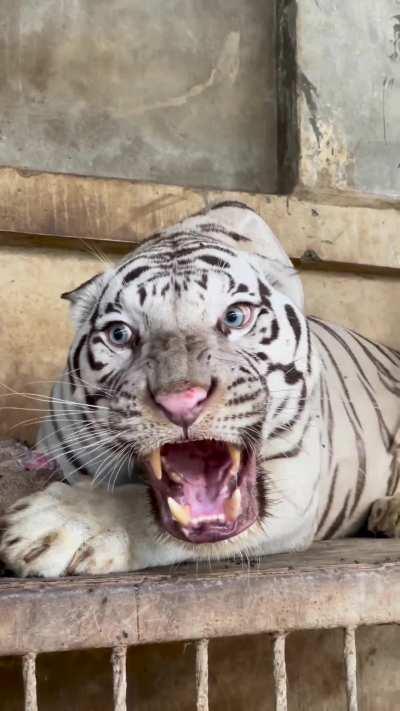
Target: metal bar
{"points": [[118, 660], [280, 677], [29, 677], [202, 675], [350, 660]]}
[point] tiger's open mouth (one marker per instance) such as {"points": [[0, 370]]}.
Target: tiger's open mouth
{"points": [[205, 490]]}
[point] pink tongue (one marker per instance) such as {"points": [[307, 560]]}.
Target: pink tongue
{"points": [[204, 467]]}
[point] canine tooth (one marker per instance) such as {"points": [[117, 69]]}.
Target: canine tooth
{"points": [[232, 506], [180, 513], [235, 455], [155, 461], [177, 478]]}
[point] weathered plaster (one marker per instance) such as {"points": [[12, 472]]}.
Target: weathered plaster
{"points": [[172, 92], [349, 95]]}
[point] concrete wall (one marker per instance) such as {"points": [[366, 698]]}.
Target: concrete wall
{"points": [[186, 92], [349, 94], [178, 92]]}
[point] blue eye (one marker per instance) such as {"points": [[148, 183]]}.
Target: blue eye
{"points": [[119, 334], [237, 316]]}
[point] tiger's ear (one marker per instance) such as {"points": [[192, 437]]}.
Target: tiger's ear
{"points": [[84, 298]]}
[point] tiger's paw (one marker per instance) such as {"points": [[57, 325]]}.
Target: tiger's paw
{"points": [[384, 517], [62, 531]]}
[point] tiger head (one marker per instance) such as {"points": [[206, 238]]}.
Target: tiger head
{"points": [[194, 356]]}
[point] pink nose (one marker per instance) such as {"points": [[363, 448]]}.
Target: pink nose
{"points": [[183, 408]]}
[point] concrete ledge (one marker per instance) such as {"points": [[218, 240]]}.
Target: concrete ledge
{"points": [[364, 231], [334, 584]]}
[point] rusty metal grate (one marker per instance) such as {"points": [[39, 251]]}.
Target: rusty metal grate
{"points": [[334, 584]]}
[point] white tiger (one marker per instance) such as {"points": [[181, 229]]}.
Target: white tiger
{"points": [[231, 423]]}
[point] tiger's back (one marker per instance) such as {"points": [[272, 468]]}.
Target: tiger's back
{"points": [[360, 416]]}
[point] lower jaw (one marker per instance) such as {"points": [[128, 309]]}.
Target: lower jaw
{"points": [[203, 535]]}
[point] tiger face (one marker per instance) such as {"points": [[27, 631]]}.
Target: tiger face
{"points": [[195, 358]]}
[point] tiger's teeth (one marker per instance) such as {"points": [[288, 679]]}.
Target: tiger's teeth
{"points": [[232, 506], [180, 513], [177, 478], [235, 456], [155, 461]]}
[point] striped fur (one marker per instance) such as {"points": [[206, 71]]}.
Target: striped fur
{"points": [[318, 403]]}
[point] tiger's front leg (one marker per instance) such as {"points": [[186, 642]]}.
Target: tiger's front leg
{"points": [[68, 530]]}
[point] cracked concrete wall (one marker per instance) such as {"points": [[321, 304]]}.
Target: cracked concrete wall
{"points": [[349, 95], [185, 92], [178, 92]]}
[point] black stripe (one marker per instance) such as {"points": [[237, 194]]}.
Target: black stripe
{"points": [[203, 282], [76, 356], [386, 436], [240, 399], [292, 375], [142, 295], [386, 351], [112, 308], [329, 418], [94, 364], [328, 505], [357, 428], [274, 334], [134, 274], [380, 367], [341, 379], [339, 520], [294, 322], [394, 476], [265, 293], [188, 251], [231, 203], [241, 289], [229, 233], [214, 261], [296, 449], [278, 431], [308, 347], [72, 458]]}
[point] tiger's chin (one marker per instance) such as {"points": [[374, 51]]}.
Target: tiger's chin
{"points": [[204, 490]]}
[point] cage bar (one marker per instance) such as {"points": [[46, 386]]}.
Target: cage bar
{"points": [[29, 677], [202, 675], [280, 677], [118, 661], [350, 661]]}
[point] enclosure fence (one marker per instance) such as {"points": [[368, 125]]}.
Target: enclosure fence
{"points": [[337, 584]]}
